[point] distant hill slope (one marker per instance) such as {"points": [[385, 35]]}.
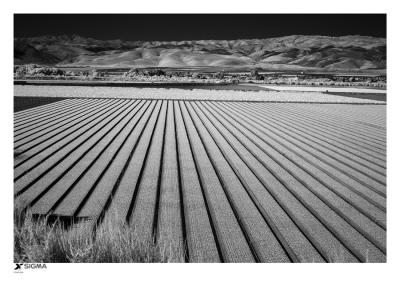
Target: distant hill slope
{"points": [[289, 52]]}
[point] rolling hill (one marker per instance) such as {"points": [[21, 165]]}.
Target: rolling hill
{"points": [[289, 52]]}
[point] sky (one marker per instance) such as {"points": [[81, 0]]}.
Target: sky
{"points": [[169, 27]]}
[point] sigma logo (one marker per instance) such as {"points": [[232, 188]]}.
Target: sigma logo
{"points": [[19, 267]]}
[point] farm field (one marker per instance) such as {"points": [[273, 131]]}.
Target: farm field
{"points": [[226, 180], [195, 94], [362, 90]]}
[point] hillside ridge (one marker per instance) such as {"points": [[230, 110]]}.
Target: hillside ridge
{"points": [[352, 52]]}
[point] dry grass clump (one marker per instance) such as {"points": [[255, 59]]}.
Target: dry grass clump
{"points": [[35, 240]]}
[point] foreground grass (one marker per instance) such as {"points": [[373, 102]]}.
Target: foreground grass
{"points": [[35, 240]]}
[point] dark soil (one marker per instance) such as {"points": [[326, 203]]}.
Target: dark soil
{"points": [[372, 96], [23, 102]]}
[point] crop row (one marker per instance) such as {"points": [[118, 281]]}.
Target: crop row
{"points": [[221, 181]]}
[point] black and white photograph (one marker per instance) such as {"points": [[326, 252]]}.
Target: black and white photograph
{"points": [[190, 138], [211, 150]]}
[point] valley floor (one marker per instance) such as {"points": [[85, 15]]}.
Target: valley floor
{"points": [[262, 94], [224, 180]]}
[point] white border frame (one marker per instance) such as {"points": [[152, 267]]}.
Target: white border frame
{"points": [[200, 272]]}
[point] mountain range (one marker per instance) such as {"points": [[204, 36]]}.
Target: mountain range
{"points": [[283, 53]]}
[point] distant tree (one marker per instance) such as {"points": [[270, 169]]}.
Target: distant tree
{"points": [[176, 74], [195, 75], [254, 73], [220, 75], [155, 72], [160, 72], [38, 71], [94, 73], [20, 71]]}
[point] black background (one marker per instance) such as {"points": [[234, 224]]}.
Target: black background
{"points": [[148, 27]]}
